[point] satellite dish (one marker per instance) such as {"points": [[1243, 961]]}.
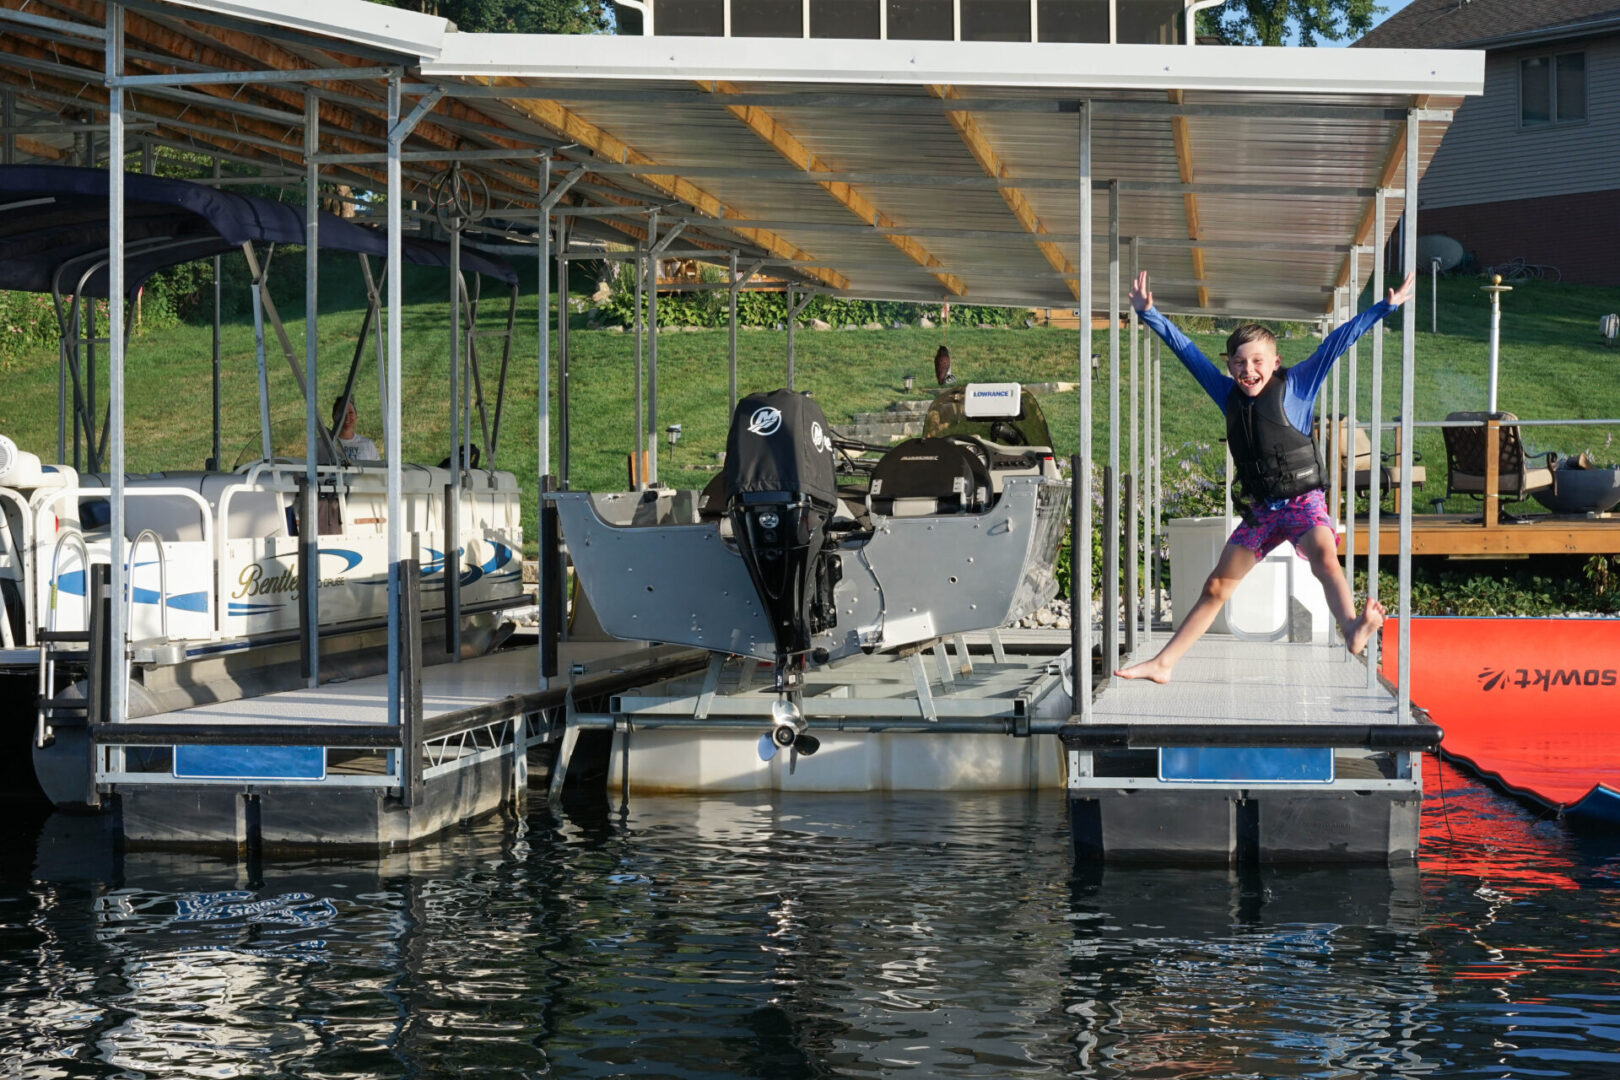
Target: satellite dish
{"points": [[1442, 247]]}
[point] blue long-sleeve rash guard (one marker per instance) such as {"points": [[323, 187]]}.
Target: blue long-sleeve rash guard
{"points": [[1300, 382]]}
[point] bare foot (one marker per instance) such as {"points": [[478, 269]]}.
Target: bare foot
{"points": [[1362, 630], [1151, 670]]}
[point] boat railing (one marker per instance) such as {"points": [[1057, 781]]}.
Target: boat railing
{"points": [[203, 509], [144, 536], [76, 540]]}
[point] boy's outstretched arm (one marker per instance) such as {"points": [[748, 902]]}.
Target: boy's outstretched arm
{"points": [[1216, 384], [1307, 377]]}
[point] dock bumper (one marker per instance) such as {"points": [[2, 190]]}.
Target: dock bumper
{"points": [[1236, 792]]}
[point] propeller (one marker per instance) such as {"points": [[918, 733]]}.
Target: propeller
{"points": [[787, 733]]}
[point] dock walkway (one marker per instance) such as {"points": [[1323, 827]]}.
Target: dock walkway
{"points": [[326, 765], [1277, 751]]}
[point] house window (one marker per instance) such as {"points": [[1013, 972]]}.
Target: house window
{"points": [[1552, 89]]}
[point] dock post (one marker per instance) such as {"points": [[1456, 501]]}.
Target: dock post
{"points": [[1110, 584], [1128, 494], [308, 577], [410, 682], [452, 565], [1079, 608], [100, 674], [551, 581]]}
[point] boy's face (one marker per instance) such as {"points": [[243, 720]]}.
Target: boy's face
{"points": [[1253, 365]]}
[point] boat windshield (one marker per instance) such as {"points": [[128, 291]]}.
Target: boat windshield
{"points": [[947, 416]]}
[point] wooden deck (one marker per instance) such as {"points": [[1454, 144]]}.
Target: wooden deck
{"points": [[1462, 535]]}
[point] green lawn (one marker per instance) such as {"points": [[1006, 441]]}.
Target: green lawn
{"points": [[1553, 365]]}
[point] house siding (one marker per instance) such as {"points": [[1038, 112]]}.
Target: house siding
{"points": [[1487, 157], [1578, 235]]}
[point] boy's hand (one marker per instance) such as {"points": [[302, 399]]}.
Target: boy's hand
{"points": [[1141, 296], [1399, 296]]}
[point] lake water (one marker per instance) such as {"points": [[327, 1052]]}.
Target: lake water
{"points": [[857, 936]]}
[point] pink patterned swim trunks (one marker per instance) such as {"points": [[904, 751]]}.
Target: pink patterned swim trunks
{"points": [[1288, 520]]}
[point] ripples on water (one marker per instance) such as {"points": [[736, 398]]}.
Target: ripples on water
{"points": [[822, 936]]}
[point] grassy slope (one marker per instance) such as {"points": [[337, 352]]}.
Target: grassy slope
{"points": [[1553, 366]]}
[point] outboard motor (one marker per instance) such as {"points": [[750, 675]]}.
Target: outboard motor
{"points": [[780, 495]]}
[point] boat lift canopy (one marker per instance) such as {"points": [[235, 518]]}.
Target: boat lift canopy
{"points": [[53, 219], [1247, 181]]}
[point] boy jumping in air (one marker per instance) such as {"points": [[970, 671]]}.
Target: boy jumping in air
{"points": [[1268, 422]]}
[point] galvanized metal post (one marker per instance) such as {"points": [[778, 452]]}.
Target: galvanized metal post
{"points": [[564, 449], [1111, 516], [1408, 392], [391, 405], [1375, 412], [731, 317], [118, 628], [452, 490], [543, 388], [309, 598], [1080, 541], [650, 446], [1332, 430], [640, 448], [1133, 500], [792, 317], [1156, 513], [218, 267], [1348, 435]]}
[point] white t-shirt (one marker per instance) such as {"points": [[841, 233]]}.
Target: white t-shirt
{"points": [[360, 448]]}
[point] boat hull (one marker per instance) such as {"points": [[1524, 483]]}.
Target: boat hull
{"points": [[906, 580]]}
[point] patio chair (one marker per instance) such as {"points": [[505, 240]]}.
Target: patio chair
{"points": [[1389, 472], [1518, 473]]}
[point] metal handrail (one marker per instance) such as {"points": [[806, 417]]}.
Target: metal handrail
{"points": [[163, 580], [76, 538], [1366, 425]]}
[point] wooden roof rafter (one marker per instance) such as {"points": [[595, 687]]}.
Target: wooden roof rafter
{"points": [[978, 144], [1394, 158], [1189, 201], [776, 134], [575, 128], [226, 49]]}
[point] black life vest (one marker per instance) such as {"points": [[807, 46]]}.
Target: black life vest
{"points": [[1273, 458]]}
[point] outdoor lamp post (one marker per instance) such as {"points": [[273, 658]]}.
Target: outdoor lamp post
{"points": [[911, 383], [1495, 289]]}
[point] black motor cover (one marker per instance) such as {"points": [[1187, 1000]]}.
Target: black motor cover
{"points": [[780, 442], [780, 493]]}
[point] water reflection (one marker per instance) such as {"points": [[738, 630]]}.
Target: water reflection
{"points": [[813, 936], [1203, 972]]}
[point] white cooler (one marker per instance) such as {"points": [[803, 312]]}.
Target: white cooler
{"points": [[1260, 607]]}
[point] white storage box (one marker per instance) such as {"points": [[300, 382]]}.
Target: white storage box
{"points": [[1259, 608]]}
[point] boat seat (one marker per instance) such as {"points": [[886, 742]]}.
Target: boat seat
{"points": [[929, 476]]}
